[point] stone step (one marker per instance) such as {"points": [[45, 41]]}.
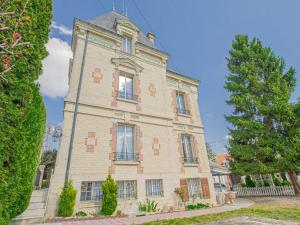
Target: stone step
{"points": [[36, 205], [28, 221], [32, 213], [36, 199], [37, 193]]}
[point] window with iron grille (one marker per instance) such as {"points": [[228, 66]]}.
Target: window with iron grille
{"points": [[194, 187], [125, 143], [127, 189], [154, 187], [91, 191]]}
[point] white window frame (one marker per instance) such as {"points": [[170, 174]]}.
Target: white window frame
{"points": [[188, 151], [151, 185], [126, 47], [133, 193], [126, 95], [194, 187], [180, 103], [130, 158], [93, 191]]}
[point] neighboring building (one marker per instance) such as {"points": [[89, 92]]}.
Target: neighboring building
{"points": [[136, 120]]}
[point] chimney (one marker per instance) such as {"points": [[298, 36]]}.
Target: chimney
{"points": [[151, 37]]}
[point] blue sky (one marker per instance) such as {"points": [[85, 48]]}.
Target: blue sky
{"points": [[198, 35]]}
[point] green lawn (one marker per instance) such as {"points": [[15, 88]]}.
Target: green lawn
{"points": [[287, 212]]}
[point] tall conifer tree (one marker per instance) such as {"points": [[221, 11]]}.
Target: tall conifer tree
{"points": [[260, 89]]}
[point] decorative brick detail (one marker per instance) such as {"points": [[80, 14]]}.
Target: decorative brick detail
{"points": [[197, 152], [137, 91], [91, 141], [155, 146], [97, 75], [140, 169], [174, 105], [113, 145], [152, 90], [115, 87], [180, 152]]}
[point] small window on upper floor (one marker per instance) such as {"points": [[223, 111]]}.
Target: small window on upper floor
{"points": [[127, 44], [180, 101]]}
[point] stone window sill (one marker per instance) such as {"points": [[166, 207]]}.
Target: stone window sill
{"points": [[190, 164], [184, 115], [126, 100], [133, 163]]}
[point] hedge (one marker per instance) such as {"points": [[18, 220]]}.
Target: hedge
{"points": [[22, 111]]}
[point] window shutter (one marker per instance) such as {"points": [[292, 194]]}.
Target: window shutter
{"points": [[205, 188], [184, 186]]}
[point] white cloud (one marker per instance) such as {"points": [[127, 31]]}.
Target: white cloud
{"points": [[62, 29], [54, 79]]}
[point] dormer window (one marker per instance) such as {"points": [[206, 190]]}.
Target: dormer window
{"points": [[127, 44]]}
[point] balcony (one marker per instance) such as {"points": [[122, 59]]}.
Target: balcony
{"points": [[128, 96], [183, 111], [123, 156], [191, 160]]}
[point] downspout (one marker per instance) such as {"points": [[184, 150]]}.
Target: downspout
{"points": [[76, 109]]}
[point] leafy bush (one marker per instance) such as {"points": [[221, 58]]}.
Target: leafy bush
{"points": [[148, 206], [249, 182], [179, 191], [266, 183], [81, 214], [278, 182], [110, 192], [197, 206], [24, 34], [67, 200]]}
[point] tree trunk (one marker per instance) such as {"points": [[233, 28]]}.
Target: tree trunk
{"points": [[296, 186]]}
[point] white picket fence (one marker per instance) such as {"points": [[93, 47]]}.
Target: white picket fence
{"points": [[265, 191]]}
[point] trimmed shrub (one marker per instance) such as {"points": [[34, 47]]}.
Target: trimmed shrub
{"points": [[67, 200], [110, 192]]}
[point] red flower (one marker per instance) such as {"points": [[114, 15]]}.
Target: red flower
{"points": [[16, 36], [6, 60]]}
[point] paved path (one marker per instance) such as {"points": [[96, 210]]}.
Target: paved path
{"points": [[240, 203]]}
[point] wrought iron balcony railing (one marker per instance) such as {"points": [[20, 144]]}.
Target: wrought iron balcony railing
{"points": [[122, 94], [183, 111], [191, 160], [123, 156]]}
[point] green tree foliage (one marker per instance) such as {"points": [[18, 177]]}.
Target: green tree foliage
{"points": [[210, 154], [249, 182], [25, 28], [67, 200], [259, 93], [265, 136], [110, 192]]}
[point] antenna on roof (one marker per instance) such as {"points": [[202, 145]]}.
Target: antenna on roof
{"points": [[126, 12], [123, 7], [113, 6]]}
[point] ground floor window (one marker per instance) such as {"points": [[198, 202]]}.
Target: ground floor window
{"points": [[91, 190], [154, 187], [127, 189], [194, 187]]}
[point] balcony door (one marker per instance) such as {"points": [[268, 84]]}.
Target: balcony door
{"points": [[125, 142]]}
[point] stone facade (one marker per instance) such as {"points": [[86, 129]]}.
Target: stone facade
{"points": [[152, 113]]}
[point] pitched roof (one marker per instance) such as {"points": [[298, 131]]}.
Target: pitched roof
{"points": [[107, 21]]}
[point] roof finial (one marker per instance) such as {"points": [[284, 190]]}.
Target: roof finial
{"points": [[113, 6], [126, 12], [123, 7]]}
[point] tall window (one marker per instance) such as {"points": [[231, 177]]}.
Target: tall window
{"points": [[127, 189], [127, 44], [180, 103], [126, 87], [187, 149], [91, 191], [154, 187], [125, 143], [194, 187]]}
